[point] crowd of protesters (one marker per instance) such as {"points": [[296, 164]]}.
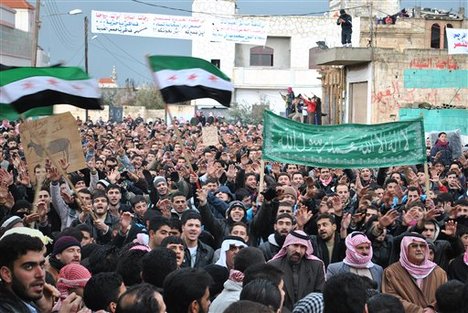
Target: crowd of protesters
{"points": [[159, 222], [303, 109]]}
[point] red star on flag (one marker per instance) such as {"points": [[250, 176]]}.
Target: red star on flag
{"points": [[192, 77], [173, 77], [52, 82], [77, 87], [213, 78], [27, 85]]}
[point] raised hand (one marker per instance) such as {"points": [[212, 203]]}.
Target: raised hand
{"points": [[165, 207], [65, 165], [450, 228], [54, 175], [431, 214], [389, 218], [303, 216], [6, 177], [202, 195], [231, 172], [125, 221], [346, 221]]}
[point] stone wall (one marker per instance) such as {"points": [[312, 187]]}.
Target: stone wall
{"points": [[406, 33], [417, 77]]}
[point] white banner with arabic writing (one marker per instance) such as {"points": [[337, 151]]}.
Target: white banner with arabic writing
{"points": [[179, 27], [457, 40]]}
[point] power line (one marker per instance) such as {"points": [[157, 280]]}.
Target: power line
{"points": [[57, 30], [116, 57], [124, 51], [238, 15], [61, 23]]}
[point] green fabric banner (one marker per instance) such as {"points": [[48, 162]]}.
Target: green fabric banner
{"points": [[7, 112], [343, 146]]}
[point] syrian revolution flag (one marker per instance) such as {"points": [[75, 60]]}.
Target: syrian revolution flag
{"points": [[25, 88], [185, 78]]}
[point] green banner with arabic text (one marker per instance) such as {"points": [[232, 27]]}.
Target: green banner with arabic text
{"points": [[345, 145]]}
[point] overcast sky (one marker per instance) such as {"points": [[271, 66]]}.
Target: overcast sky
{"points": [[62, 36]]}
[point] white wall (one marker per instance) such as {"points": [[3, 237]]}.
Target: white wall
{"points": [[24, 19], [281, 53], [293, 36]]}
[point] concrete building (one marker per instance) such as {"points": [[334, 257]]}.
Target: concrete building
{"points": [[16, 29], [260, 73], [407, 66]]}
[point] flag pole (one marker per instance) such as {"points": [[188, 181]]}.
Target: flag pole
{"points": [[426, 167], [38, 180], [426, 174], [262, 179]]}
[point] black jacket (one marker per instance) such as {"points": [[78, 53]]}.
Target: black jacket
{"points": [[204, 256]]}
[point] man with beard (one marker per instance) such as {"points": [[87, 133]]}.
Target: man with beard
{"points": [[303, 272], [229, 249], [358, 259], [326, 181], [98, 218], [187, 290], [23, 287], [114, 194], [67, 250], [328, 245], [414, 279], [283, 225]]}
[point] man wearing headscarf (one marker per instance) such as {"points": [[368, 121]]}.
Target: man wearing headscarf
{"points": [[358, 259], [303, 272], [414, 279], [229, 249]]}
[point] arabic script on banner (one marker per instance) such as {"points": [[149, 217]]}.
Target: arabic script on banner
{"points": [[343, 146], [457, 40], [179, 27]]}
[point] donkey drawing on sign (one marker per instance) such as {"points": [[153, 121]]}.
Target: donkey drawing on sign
{"points": [[55, 146]]}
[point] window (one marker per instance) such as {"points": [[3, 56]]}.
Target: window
{"points": [[435, 36], [445, 35], [216, 62], [261, 56]]}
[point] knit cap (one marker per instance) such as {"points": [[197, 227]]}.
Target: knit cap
{"points": [[63, 243], [104, 182], [236, 204], [287, 190], [159, 179], [10, 222]]}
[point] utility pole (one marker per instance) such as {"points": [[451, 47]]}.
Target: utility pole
{"points": [[35, 37], [86, 43], [86, 54], [371, 25]]}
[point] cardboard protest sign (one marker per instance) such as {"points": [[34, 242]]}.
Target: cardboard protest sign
{"points": [[58, 134], [210, 136]]}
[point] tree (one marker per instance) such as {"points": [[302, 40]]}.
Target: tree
{"points": [[149, 97]]}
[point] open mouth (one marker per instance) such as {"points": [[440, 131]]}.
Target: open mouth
{"points": [[37, 287]]}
